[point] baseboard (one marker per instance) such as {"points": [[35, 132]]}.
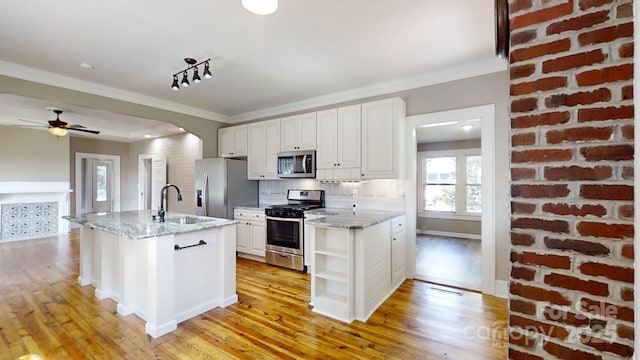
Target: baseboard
{"points": [[125, 310], [102, 294], [502, 289], [197, 310], [251, 257], [157, 331], [230, 300], [83, 281], [449, 234]]}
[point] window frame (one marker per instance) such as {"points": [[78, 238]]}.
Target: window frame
{"points": [[461, 184]]}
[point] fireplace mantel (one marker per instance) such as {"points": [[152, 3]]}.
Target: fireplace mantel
{"points": [[34, 187]]}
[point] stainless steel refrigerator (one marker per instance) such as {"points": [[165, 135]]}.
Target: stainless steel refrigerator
{"points": [[221, 185]]}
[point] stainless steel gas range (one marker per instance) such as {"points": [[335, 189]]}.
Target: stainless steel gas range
{"points": [[285, 228]]}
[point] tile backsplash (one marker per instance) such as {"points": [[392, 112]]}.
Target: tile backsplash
{"points": [[28, 220], [370, 195]]}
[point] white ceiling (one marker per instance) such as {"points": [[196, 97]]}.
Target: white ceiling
{"points": [[449, 131], [309, 53]]}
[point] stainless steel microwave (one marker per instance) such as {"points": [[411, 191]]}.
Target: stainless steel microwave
{"points": [[297, 164]]}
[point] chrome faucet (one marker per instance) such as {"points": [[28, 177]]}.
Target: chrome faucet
{"points": [[162, 196]]}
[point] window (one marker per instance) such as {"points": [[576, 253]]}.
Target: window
{"points": [[451, 182], [440, 184]]}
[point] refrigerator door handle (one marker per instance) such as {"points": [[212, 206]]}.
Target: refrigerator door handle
{"points": [[205, 193]]}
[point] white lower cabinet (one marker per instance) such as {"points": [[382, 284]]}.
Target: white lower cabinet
{"points": [[355, 270], [251, 232]]}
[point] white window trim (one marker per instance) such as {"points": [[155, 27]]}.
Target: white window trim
{"points": [[461, 183]]}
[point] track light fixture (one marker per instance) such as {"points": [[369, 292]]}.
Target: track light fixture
{"points": [[191, 64]]}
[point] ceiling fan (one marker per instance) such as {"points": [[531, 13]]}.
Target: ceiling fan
{"points": [[58, 127]]}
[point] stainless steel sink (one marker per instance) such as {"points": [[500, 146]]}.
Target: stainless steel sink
{"points": [[187, 220]]}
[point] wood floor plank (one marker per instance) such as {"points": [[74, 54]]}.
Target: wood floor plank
{"points": [[44, 311]]}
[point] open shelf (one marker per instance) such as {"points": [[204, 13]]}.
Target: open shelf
{"points": [[341, 253], [332, 275], [327, 289]]}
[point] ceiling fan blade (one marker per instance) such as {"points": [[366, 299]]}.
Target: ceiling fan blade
{"points": [[85, 130], [33, 122], [76, 126], [30, 126]]}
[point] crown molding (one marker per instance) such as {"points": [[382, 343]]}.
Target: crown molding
{"points": [[408, 83], [49, 78]]}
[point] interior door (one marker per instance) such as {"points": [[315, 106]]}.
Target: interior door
{"points": [[102, 185]]}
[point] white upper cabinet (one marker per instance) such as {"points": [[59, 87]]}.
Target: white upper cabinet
{"points": [[338, 155], [232, 141], [264, 145], [383, 139], [298, 132], [349, 136], [327, 131]]}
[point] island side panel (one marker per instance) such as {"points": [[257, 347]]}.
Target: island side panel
{"points": [[372, 269], [127, 268], [227, 261], [106, 265], [85, 277], [198, 286], [160, 288]]}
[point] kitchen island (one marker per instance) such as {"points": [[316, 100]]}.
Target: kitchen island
{"points": [[357, 260], [163, 272]]}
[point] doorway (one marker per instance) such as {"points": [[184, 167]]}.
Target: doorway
{"points": [[152, 176], [97, 179], [449, 196], [486, 114]]}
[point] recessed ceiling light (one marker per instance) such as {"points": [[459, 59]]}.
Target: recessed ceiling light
{"points": [[147, 136], [439, 124], [86, 66], [181, 129], [466, 127]]}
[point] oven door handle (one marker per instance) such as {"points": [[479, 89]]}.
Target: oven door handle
{"points": [[284, 219]]}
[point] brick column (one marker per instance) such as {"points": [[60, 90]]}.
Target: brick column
{"points": [[572, 148]]}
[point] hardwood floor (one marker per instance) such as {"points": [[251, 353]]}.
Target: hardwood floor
{"points": [[449, 261], [44, 311]]}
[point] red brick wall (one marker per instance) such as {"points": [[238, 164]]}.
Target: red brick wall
{"points": [[571, 281]]}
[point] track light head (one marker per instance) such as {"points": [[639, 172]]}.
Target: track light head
{"points": [[196, 77], [175, 86], [207, 72], [185, 81]]}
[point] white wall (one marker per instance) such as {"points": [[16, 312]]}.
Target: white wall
{"points": [[181, 151], [33, 155]]}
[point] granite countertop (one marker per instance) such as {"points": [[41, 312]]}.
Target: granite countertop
{"points": [[139, 224], [341, 218]]}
